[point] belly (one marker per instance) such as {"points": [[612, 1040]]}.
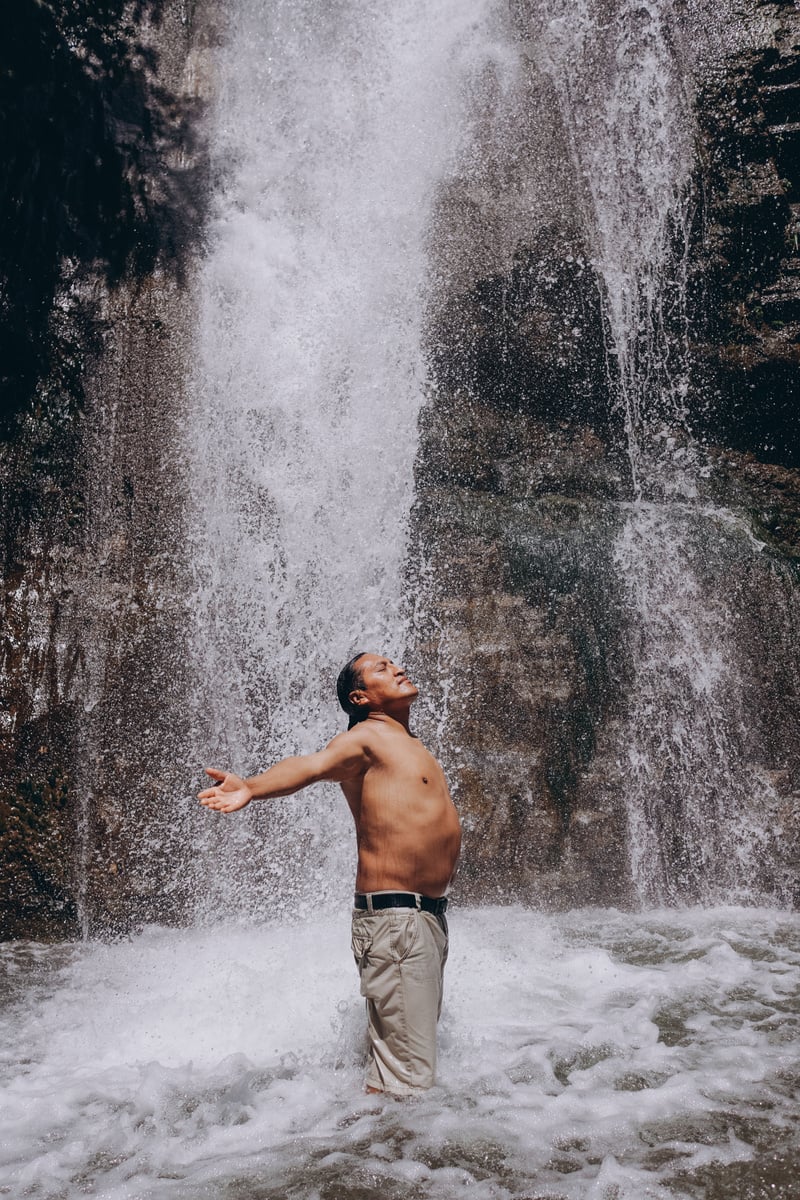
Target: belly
{"points": [[412, 850]]}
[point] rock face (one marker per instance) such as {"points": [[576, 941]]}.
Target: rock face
{"points": [[526, 631], [746, 315], [90, 413], [516, 468]]}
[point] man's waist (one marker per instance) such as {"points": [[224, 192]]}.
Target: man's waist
{"points": [[373, 901]]}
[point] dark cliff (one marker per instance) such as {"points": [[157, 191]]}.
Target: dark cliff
{"points": [[102, 205]]}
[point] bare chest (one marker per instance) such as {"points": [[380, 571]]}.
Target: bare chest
{"points": [[411, 765]]}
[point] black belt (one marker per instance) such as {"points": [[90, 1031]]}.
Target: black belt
{"points": [[402, 900]]}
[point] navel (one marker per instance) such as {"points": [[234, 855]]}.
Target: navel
{"points": [[424, 778]]}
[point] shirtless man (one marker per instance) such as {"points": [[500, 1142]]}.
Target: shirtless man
{"points": [[408, 836]]}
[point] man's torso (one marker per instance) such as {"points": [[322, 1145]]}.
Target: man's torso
{"points": [[407, 827]]}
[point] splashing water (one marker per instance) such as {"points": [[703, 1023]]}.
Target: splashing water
{"points": [[333, 127], [589, 1056], [695, 806]]}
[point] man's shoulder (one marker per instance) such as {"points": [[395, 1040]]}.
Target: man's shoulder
{"points": [[359, 737], [367, 737], [349, 734]]}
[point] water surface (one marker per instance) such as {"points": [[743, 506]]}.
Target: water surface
{"points": [[591, 1054]]}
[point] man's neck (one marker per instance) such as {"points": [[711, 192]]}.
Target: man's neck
{"points": [[398, 717]]}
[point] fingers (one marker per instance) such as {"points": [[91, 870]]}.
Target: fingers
{"points": [[211, 792], [212, 801], [218, 797]]}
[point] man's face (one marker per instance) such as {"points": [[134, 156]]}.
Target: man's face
{"points": [[385, 684]]}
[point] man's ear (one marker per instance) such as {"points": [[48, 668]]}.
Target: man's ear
{"points": [[358, 698]]}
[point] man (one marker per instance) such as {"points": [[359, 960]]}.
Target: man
{"points": [[408, 836]]}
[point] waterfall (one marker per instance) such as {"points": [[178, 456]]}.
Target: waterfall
{"points": [[391, 183], [621, 71], [333, 126], [395, 181], [620, 80], [696, 807]]}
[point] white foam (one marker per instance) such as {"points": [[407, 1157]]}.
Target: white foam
{"points": [[577, 1054]]}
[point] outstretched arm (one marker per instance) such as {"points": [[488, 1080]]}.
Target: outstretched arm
{"points": [[343, 758]]}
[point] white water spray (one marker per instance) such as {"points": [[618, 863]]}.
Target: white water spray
{"points": [[334, 125], [620, 72], [587, 1056], [617, 71]]}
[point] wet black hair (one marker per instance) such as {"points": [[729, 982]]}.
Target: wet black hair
{"points": [[350, 679]]}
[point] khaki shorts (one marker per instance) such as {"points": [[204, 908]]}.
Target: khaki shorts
{"points": [[400, 953]]}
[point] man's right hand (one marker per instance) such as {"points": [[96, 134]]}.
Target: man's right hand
{"points": [[229, 793]]}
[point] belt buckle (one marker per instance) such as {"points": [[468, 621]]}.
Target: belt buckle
{"points": [[418, 900]]}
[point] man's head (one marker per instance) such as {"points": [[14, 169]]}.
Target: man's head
{"points": [[373, 683], [349, 681]]}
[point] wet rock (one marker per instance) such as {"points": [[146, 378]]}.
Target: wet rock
{"points": [[522, 482], [101, 361], [744, 262]]}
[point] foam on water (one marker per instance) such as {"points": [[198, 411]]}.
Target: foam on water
{"points": [[593, 1054]]}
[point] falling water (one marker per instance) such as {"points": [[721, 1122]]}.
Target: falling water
{"points": [[621, 73], [618, 73], [334, 124], [698, 812]]}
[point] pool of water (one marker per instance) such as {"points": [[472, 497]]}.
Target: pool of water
{"points": [[589, 1054]]}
